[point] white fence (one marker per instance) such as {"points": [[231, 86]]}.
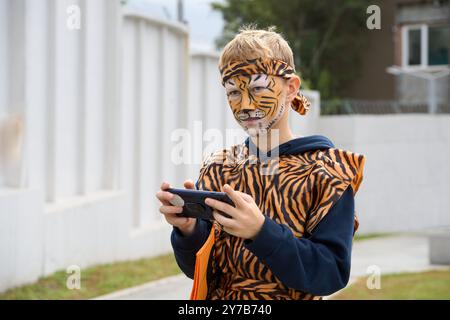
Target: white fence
{"points": [[154, 101], [97, 112], [96, 108]]}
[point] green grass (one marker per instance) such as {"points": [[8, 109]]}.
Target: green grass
{"points": [[401, 286], [371, 236], [98, 280]]}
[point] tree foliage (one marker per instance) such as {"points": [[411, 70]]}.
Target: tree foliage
{"points": [[325, 36]]}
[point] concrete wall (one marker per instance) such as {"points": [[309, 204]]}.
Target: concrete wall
{"points": [[415, 91], [407, 177], [208, 116], [96, 108], [422, 12]]}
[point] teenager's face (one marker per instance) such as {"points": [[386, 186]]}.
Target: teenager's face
{"points": [[257, 101]]}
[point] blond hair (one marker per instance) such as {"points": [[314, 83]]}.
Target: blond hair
{"points": [[252, 43]]}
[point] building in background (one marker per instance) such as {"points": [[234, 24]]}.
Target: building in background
{"points": [[414, 39]]}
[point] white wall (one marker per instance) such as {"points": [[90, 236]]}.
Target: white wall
{"points": [[406, 182], [4, 30], [98, 106], [209, 117], [21, 237], [154, 97]]}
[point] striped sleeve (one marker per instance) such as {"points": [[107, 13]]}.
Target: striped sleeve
{"points": [[334, 172]]}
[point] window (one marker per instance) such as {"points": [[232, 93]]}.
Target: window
{"points": [[414, 47], [438, 46], [425, 46]]}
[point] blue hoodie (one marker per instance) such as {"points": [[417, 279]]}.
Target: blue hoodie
{"points": [[317, 263]]}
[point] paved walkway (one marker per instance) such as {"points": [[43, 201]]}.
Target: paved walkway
{"points": [[399, 253], [172, 288]]}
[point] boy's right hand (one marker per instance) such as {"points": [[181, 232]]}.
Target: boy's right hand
{"points": [[185, 225]]}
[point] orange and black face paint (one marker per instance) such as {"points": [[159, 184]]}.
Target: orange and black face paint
{"points": [[270, 67], [257, 96]]}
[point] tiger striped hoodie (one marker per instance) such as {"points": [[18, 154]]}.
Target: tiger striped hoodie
{"points": [[303, 250]]}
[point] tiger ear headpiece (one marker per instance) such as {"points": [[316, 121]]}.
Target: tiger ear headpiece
{"points": [[265, 66]]}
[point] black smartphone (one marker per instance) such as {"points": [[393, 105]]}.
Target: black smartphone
{"points": [[193, 202]]}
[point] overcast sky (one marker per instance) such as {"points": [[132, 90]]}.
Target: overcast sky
{"points": [[205, 24]]}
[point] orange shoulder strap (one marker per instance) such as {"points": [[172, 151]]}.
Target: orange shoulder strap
{"points": [[200, 286]]}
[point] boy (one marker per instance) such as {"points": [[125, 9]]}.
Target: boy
{"points": [[289, 235]]}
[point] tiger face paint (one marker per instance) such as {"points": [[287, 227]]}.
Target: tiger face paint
{"points": [[257, 101], [238, 70]]}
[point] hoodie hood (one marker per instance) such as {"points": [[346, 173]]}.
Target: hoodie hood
{"points": [[294, 146]]}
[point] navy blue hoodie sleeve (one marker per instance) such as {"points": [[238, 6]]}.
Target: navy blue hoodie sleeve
{"points": [[185, 248], [319, 264]]}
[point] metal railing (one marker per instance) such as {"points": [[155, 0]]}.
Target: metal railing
{"points": [[356, 106]]}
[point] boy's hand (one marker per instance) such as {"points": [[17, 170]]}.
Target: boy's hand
{"points": [[186, 225], [246, 219]]}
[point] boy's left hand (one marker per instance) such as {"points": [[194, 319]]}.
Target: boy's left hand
{"points": [[246, 219]]}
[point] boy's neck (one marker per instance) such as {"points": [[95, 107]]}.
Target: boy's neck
{"points": [[269, 141]]}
